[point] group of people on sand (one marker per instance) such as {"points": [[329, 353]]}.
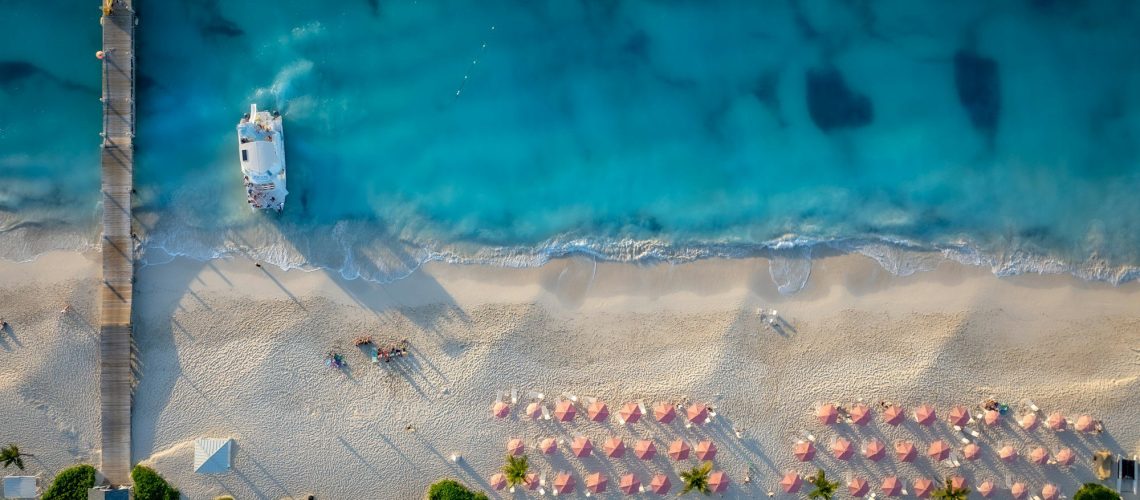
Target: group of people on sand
{"points": [[387, 353]]}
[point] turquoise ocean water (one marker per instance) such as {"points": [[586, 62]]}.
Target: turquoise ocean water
{"points": [[1004, 134]]}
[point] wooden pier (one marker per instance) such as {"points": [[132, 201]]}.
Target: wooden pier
{"points": [[115, 379]]}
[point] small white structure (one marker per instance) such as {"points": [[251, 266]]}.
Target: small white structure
{"points": [[261, 149], [108, 493], [21, 487], [212, 455]]}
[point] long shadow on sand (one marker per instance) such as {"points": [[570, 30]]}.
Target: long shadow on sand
{"points": [[157, 366]]}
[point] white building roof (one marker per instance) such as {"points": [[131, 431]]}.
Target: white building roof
{"points": [[20, 487], [259, 159], [212, 455]]}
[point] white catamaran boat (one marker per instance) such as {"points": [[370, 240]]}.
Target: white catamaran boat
{"points": [[261, 144]]}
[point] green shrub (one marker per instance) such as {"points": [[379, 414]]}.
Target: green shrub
{"points": [[447, 489], [1094, 491], [151, 486], [72, 483]]}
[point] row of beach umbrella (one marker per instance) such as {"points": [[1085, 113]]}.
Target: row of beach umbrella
{"points": [[938, 450], [893, 486], [958, 416], [596, 482], [565, 410], [614, 447]]}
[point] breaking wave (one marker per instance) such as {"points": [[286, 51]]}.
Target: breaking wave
{"points": [[351, 250]]}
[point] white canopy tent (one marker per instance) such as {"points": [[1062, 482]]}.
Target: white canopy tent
{"points": [[212, 455]]}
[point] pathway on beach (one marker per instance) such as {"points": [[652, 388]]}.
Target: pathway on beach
{"points": [[118, 262]]}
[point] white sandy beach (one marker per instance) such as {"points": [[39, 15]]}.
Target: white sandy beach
{"points": [[227, 349]]}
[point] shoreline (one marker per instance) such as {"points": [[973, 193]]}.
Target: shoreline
{"points": [[229, 349]]}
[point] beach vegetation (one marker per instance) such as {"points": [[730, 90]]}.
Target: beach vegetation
{"points": [[515, 470], [11, 455], [151, 486], [71, 483], [697, 479], [1094, 491], [824, 489], [949, 492], [450, 489]]}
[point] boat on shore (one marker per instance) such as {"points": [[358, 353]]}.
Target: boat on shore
{"points": [[261, 149]]}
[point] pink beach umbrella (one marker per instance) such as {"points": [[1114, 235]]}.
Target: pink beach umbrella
{"points": [[891, 486], [531, 481], [857, 487], [718, 481], [1018, 490], [959, 416], [664, 412], [971, 451], [827, 414], [923, 487], [860, 413], [791, 482], [1064, 456], [894, 415], [614, 448], [581, 446], [564, 411], [515, 446], [986, 488], [804, 451], [679, 450], [660, 484], [1056, 421], [629, 484], [924, 414], [534, 410], [630, 413], [958, 482], [1007, 453], [1029, 421], [563, 483], [1050, 492], [874, 450], [498, 481], [548, 446], [904, 451], [697, 414], [991, 418], [1084, 423], [645, 449], [938, 450], [598, 411], [841, 448], [500, 409], [596, 482], [706, 450], [1039, 455]]}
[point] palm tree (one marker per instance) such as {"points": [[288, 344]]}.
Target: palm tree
{"points": [[697, 479], [11, 455], [516, 470], [824, 489], [950, 492]]}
